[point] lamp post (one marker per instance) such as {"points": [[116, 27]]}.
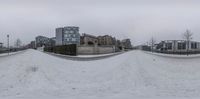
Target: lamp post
{"points": [[8, 46]]}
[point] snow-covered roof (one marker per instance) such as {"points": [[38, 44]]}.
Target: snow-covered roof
{"points": [[178, 41]]}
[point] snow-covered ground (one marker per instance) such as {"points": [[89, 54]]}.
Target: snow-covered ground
{"points": [[132, 75]]}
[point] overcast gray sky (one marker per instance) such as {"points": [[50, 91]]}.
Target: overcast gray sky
{"points": [[138, 20]]}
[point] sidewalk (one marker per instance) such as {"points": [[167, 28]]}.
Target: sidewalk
{"points": [[11, 53], [174, 55], [85, 57]]}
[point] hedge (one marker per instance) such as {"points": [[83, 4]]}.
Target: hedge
{"points": [[64, 49]]}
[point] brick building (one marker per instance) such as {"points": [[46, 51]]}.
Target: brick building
{"points": [[87, 39], [106, 40]]}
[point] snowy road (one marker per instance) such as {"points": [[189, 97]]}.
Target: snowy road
{"points": [[133, 75]]}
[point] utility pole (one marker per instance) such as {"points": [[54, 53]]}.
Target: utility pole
{"points": [[8, 44]]}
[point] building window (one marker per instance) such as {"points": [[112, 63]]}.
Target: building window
{"points": [[73, 39], [67, 32], [66, 35], [169, 46], [194, 45], [181, 46], [71, 31]]}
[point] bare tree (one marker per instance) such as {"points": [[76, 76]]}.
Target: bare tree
{"points": [[187, 35], [18, 43], [152, 43]]}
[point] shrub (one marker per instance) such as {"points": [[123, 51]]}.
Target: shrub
{"points": [[64, 49]]}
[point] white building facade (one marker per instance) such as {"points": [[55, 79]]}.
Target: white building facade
{"points": [[67, 35], [178, 46]]}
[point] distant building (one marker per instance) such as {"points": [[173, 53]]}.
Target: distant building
{"points": [[87, 39], [32, 44], [106, 40], [53, 41], [1, 45], [43, 41], [118, 45], [67, 35], [53, 38], [126, 43], [143, 47], [178, 46]]}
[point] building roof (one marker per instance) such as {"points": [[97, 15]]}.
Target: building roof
{"points": [[178, 41], [40, 36], [88, 35], [125, 40]]}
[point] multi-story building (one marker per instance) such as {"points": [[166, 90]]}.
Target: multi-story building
{"points": [[178, 46], [126, 43], [43, 41], [67, 35], [87, 39], [106, 40], [59, 36]]}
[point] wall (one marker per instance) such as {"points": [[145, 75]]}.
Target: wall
{"points": [[84, 50]]}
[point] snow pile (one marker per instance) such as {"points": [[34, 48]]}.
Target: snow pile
{"points": [[135, 74]]}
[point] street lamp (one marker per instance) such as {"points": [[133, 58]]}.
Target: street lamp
{"points": [[8, 44]]}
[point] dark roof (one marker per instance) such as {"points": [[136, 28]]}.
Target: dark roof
{"points": [[88, 35]]}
